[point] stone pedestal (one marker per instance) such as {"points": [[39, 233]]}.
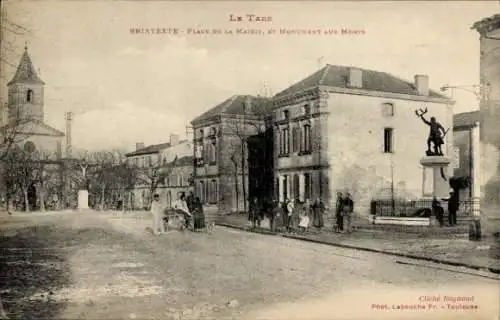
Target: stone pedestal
{"points": [[433, 182], [83, 199]]}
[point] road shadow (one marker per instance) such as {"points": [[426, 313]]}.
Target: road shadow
{"points": [[33, 266]]}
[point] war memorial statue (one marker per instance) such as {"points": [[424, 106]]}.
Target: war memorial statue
{"points": [[436, 134]]}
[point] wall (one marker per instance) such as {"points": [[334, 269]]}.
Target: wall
{"points": [[46, 144], [356, 150], [490, 117], [297, 164], [184, 148], [18, 104]]}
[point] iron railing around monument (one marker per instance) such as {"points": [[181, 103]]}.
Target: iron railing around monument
{"points": [[415, 208]]}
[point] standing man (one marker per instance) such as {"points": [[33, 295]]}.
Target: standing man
{"points": [[157, 211], [452, 208], [338, 213], [348, 209], [438, 211]]}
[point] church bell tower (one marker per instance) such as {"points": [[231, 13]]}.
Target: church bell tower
{"points": [[25, 97]]}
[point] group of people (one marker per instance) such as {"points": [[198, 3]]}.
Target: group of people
{"points": [[188, 209], [289, 215]]}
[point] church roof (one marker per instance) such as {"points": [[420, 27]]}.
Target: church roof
{"points": [[337, 76], [26, 72], [50, 130], [235, 105]]}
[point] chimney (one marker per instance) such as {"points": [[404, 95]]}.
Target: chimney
{"points": [[139, 145], [174, 139], [355, 78], [422, 84]]}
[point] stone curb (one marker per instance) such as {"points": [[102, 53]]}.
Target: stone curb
{"points": [[347, 246]]}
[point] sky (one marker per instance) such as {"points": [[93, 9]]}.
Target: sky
{"points": [[125, 88]]}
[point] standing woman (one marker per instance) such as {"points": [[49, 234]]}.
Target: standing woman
{"points": [[199, 216], [254, 213], [318, 211], [290, 207], [284, 213], [297, 209]]}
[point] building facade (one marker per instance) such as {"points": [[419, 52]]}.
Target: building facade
{"points": [[221, 152], [340, 129], [489, 66], [24, 114], [355, 130], [163, 169]]}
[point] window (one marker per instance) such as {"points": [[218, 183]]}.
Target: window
{"points": [[213, 191], [207, 193], [202, 189], [388, 140], [164, 161], [307, 186], [296, 187], [285, 142], [286, 114], [285, 187], [181, 181], [295, 140], [213, 153], [307, 138], [387, 109], [307, 110], [276, 188], [213, 132], [29, 95], [150, 161]]}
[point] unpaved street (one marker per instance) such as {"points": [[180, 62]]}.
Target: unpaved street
{"points": [[87, 266]]}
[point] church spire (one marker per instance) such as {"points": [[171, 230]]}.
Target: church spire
{"points": [[26, 72]]}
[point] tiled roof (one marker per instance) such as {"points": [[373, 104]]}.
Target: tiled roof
{"points": [[235, 105], [26, 72], [465, 119], [486, 21], [336, 76], [154, 148]]}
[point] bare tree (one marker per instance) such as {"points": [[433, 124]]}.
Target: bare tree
{"points": [[241, 130], [23, 170], [151, 176]]}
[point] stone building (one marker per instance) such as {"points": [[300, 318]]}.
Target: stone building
{"points": [[25, 111], [223, 159], [24, 123], [489, 66], [351, 129], [339, 129], [164, 166]]}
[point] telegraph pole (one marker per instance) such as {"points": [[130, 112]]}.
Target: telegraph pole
{"points": [[69, 117]]}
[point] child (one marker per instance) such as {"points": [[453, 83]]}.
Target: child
{"points": [[304, 221]]}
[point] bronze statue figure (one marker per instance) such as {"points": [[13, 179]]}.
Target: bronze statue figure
{"points": [[436, 134]]}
